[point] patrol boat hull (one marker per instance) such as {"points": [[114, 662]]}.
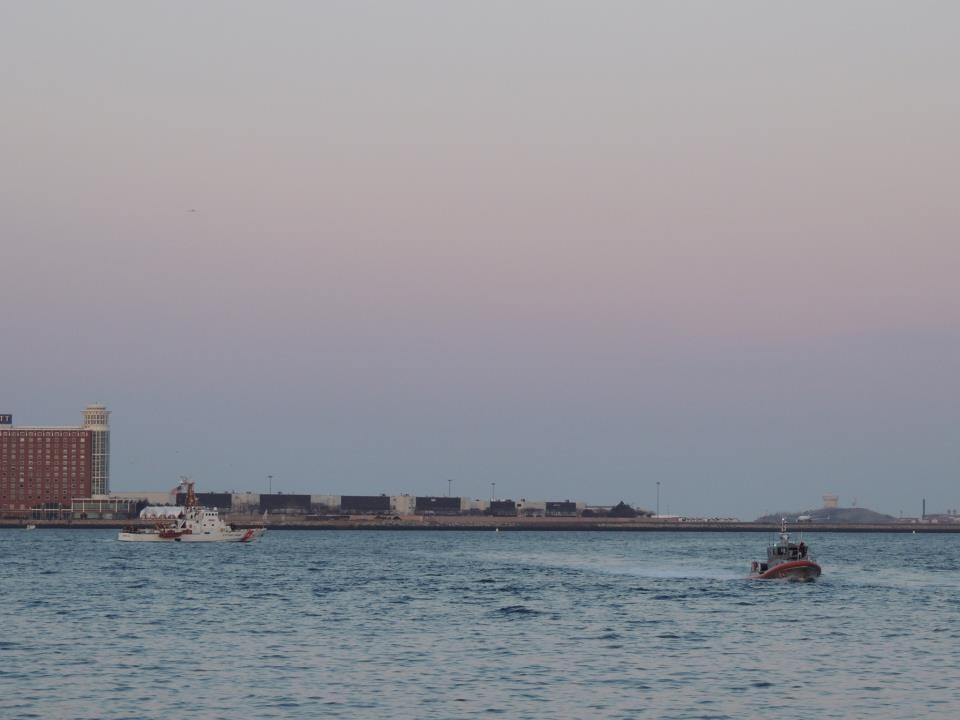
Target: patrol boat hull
{"points": [[242, 536], [795, 570]]}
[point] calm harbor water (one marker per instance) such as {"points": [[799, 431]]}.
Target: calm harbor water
{"points": [[475, 624]]}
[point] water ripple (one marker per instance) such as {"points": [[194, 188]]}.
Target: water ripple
{"points": [[451, 625]]}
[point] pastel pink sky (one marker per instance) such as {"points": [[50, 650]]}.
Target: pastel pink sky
{"points": [[570, 247]]}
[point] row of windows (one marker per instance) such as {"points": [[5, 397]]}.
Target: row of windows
{"points": [[42, 467], [38, 496], [12, 469], [56, 478], [48, 460], [23, 457], [14, 464], [31, 457], [74, 485], [43, 462], [45, 433], [45, 482], [36, 435], [40, 481], [38, 472], [29, 442], [36, 482], [46, 443], [44, 453], [48, 483], [60, 492], [8, 440], [57, 459], [51, 494], [41, 458]]}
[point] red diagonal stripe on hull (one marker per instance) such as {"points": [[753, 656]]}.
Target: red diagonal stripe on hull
{"points": [[777, 570]]}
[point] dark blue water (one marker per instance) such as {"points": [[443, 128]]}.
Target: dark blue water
{"points": [[467, 624]]}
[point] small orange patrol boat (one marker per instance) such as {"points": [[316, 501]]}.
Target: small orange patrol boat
{"points": [[786, 560]]}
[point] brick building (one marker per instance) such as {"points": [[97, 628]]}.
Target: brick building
{"points": [[42, 469]]}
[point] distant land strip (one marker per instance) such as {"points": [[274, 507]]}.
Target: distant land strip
{"points": [[513, 524]]}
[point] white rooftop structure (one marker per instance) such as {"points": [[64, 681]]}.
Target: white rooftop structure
{"points": [[161, 512]]}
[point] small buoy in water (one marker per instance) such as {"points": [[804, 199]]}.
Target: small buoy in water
{"points": [[498, 530], [914, 532]]}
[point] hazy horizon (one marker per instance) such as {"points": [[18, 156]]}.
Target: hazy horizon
{"points": [[573, 248]]}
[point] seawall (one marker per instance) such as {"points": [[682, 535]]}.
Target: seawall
{"points": [[512, 524]]}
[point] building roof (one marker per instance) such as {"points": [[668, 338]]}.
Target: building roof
{"points": [[161, 511], [41, 427]]}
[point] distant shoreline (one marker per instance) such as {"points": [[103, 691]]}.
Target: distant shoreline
{"points": [[512, 524]]}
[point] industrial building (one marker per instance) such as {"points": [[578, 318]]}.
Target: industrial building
{"points": [[220, 501], [285, 504], [278, 506], [503, 508], [566, 508], [43, 468], [99, 508], [428, 505], [365, 504]]}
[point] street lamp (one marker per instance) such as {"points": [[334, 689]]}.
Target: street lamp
{"points": [[270, 484], [449, 487], [493, 490], [658, 498]]}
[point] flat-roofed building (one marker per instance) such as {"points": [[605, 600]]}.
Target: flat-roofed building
{"points": [[475, 506], [430, 505], [46, 467], [151, 497], [323, 504], [503, 508], [402, 504], [221, 501], [561, 508], [278, 504], [105, 508], [246, 503], [531, 508], [365, 504]]}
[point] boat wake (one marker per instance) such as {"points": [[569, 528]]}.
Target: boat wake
{"points": [[683, 570]]}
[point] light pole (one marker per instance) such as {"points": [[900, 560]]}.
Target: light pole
{"points": [[449, 487], [658, 498], [270, 484], [493, 490]]}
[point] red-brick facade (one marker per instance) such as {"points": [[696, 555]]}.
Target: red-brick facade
{"points": [[44, 467]]}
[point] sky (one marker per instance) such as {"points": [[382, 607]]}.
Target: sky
{"points": [[573, 248]]}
